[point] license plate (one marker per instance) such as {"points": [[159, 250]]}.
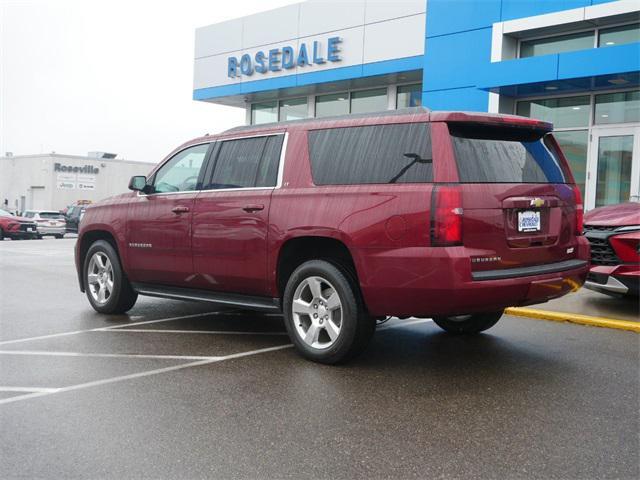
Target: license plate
{"points": [[31, 229], [529, 221]]}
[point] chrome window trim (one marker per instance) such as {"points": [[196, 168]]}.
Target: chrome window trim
{"points": [[280, 167], [283, 150]]}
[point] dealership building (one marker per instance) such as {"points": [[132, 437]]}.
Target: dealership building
{"points": [[575, 63], [53, 181]]}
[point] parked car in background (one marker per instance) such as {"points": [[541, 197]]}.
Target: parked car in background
{"points": [[614, 235], [74, 216], [339, 222], [49, 222], [16, 228]]}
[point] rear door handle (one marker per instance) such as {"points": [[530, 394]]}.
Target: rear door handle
{"points": [[180, 209], [253, 208]]}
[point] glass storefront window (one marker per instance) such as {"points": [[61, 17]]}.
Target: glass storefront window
{"points": [[369, 100], [333, 104], [614, 169], [610, 37], [558, 44], [574, 146], [619, 107], [293, 109], [264, 112], [567, 112], [409, 96]]}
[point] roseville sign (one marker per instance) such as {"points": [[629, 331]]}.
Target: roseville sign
{"points": [[57, 167]]}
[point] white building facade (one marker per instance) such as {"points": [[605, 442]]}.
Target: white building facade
{"points": [[53, 181]]}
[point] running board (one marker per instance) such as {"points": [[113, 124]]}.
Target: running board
{"points": [[222, 298]]}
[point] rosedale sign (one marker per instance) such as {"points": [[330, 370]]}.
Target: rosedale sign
{"points": [[285, 57]]}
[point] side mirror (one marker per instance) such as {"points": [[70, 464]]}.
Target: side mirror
{"points": [[138, 183]]}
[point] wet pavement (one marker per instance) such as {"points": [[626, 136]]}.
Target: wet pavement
{"points": [[184, 390], [595, 304]]}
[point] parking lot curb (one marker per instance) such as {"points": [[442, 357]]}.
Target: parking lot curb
{"points": [[575, 318]]}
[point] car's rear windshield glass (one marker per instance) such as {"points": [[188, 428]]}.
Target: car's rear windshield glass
{"points": [[394, 153], [50, 215], [505, 155]]}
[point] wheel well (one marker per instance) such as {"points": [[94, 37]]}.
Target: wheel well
{"points": [[299, 250], [88, 239]]}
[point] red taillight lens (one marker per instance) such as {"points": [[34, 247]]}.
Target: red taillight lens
{"points": [[579, 210], [446, 216], [627, 247]]}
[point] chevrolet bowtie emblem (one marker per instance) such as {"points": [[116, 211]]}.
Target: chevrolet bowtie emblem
{"points": [[537, 202]]}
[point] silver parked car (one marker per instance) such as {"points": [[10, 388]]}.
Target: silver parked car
{"points": [[48, 222]]}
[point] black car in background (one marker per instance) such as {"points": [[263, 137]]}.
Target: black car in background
{"points": [[73, 216]]}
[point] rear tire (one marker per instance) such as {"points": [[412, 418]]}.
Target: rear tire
{"points": [[328, 322], [1, 234], [468, 324], [106, 285]]}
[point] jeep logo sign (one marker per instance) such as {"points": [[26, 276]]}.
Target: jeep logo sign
{"points": [[68, 168]]}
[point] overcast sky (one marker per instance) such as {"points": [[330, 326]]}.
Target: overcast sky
{"points": [[107, 75]]}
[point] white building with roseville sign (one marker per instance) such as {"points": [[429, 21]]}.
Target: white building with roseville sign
{"points": [[53, 181]]}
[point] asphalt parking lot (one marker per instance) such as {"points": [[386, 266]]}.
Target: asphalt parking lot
{"points": [[182, 390]]}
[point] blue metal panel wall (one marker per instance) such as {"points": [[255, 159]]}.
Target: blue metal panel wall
{"points": [[458, 47]]}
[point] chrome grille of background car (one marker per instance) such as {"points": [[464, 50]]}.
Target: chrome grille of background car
{"points": [[601, 251]]}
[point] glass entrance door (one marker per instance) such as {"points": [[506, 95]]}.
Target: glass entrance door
{"points": [[614, 166]]}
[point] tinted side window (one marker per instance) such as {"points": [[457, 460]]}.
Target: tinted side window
{"points": [[247, 162], [180, 173], [268, 170], [398, 153]]}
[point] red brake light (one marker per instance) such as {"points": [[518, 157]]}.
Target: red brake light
{"points": [[446, 216], [579, 210]]}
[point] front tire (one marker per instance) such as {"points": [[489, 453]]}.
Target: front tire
{"points": [[468, 324], [106, 285], [59, 236], [324, 313]]}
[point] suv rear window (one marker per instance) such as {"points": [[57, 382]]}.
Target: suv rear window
{"points": [[54, 215], [504, 155], [397, 153]]}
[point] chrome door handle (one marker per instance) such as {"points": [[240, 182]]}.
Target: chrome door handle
{"points": [[180, 209], [253, 208]]}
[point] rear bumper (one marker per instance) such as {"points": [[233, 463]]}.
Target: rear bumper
{"points": [[618, 279], [438, 281], [51, 230]]}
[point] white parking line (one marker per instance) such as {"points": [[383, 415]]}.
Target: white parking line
{"points": [[76, 332], [146, 373], [210, 332], [44, 353], [28, 389]]}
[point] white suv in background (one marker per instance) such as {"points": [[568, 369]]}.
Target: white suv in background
{"points": [[48, 222]]}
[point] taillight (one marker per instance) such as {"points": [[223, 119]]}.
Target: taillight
{"points": [[627, 247], [446, 216], [579, 210]]}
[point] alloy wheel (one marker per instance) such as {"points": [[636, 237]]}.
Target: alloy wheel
{"points": [[317, 312], [100, 277]]}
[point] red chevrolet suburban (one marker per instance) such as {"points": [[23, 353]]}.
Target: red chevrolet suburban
{"points": [[338, 222]]}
